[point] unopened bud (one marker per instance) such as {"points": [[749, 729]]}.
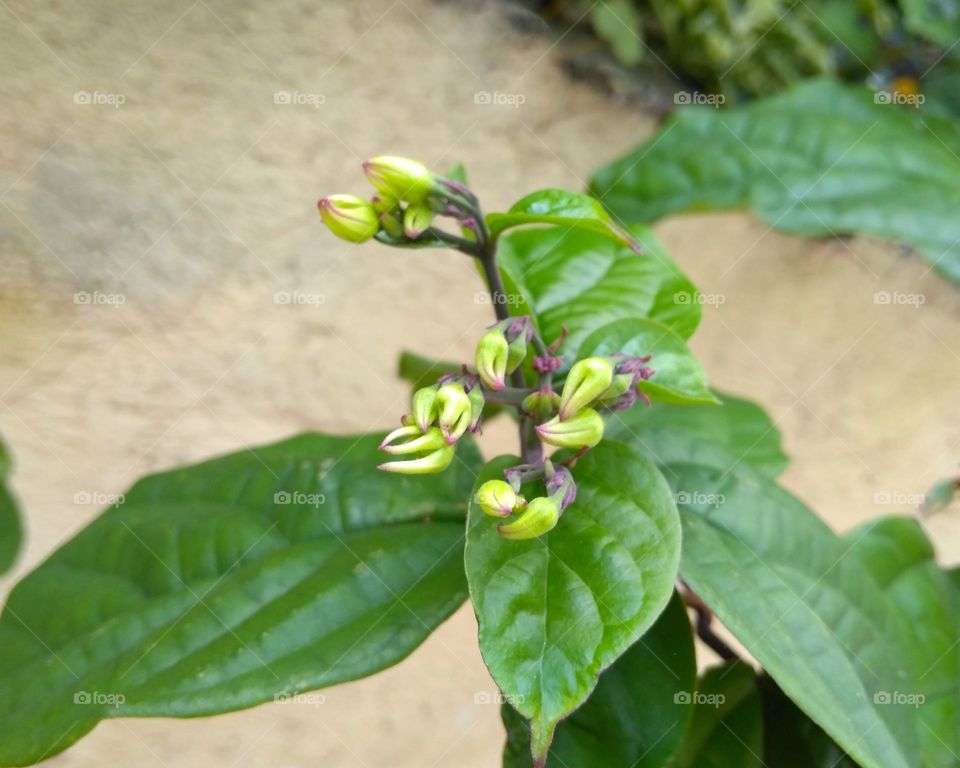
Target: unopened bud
{"points": [[436, 461], [349, 217], [496, 498], [413, 440], [477, 403], [587, 380], [424, 406], [491, 358], [542, 405], [455, 411], [584, 430], [416, 220], [400, 177], [540, 516]]}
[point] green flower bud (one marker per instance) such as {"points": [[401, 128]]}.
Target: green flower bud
{"points": [[424, 406], [496, 498], [415, 440], [400, 177], [587, 380], [540, 516], [436, 461], [517, 352], [584, 430], [622, 382], [416, 220], [456, 411], [491, 357], [349, 217], [477, 403], [542, 405]]}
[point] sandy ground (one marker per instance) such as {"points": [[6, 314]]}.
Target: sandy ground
{"points": [[193, 202]]}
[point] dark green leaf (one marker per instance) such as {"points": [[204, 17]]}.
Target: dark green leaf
{"points": [[567, 210], [554, 612], [668, 432], [727, 730], [679, 378], [821, 159], [11, 529], [582, 280], [215, 587], [422, 371], [637, 715]]}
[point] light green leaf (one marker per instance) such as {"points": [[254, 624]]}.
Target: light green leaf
{"points": [[11, 529], [618, 23], [582, 281], [821, 159], [727, 729], [637, 715], [739, 427], [422, 371], [567, 210], [784, 585], [554, 612], [679, 378], [901, 560], [936, 20], [215, 587]]}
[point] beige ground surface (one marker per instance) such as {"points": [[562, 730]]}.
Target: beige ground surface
{"points": [[194, 201]]}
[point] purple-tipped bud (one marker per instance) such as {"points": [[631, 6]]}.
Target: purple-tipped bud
{"points": [[424, 406], [493, 349], [496, 498], [455, 410], [349, 217], [436, 461], [411, 440], [400, 177], [584, 430], [416, 220], [540, 516]]}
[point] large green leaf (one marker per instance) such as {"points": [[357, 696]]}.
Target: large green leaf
{"points": [[679, 378], [583, 280], [11, 530], [936, 20], [814, 616], [727, 729], [554, 612], [215, 587], [821, 159], [901, 560], [637, 715], [666, 432]]}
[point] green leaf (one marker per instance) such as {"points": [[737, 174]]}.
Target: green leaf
{"points": [[618, 23], [11, 529], [458, 173], [727, 729], [422, 371], [554, 612], [637, 715], [935, 20], [215, 587], [582, 281], [901, 560], [818, 160], [567, 210], [679, 378], [784, 585], [667, 433]]}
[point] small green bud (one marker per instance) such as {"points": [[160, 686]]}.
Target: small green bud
{"points": [[424, 407], [517, 352], [584, 430], [416, 220], [540, 516], [622, 382], [477, 403], [456, 411], [415, 440], [542, 405], [400, 177], [436, 461], [587, 380], [349, 217], [491, 357], [496, 498]]}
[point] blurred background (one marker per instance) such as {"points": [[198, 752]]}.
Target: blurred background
{"points": [[167, 293]]}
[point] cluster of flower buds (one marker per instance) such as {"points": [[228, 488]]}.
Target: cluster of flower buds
{"points": [[408, 197], [501, 498], [501, 350], [440, 416]]}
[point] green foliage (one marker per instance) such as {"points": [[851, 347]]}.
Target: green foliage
{"points": [[270, 571], [555, 611], [11, 530], [822, 159]]}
